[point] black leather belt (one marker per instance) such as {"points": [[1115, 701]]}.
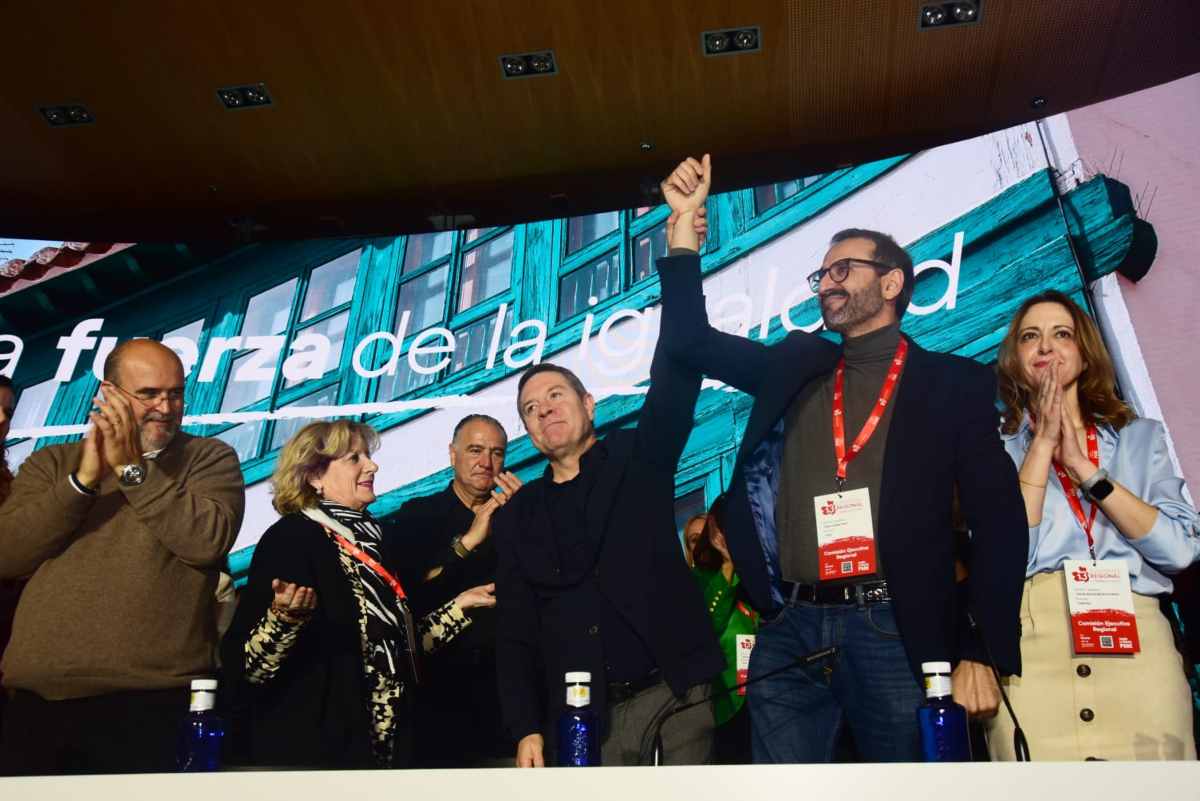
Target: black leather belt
{"points": [[864, 592], [619, 691]]}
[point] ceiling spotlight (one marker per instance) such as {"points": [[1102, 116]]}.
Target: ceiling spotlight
{"points": [[55, 116], [746, 40], [528, 65], [250, 95], [716, 43], [59, 116], [513, 66], [948, 15], [964, 12], [731, 41], [932, 15]]}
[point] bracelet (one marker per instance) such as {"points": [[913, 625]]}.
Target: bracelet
{"points": [[291, 615], [460, 550], [80, 487], [1031, 484]]}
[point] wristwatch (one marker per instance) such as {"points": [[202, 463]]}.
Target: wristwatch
{"points": [[462, 551], [130, 475], [1098, 487]]}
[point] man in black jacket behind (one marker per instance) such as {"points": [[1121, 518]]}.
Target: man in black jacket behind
{"points": [[592, 577], [839, 508], [445, 543]]}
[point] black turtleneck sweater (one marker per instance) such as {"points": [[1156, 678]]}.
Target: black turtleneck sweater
{"points": [[808, 466]]}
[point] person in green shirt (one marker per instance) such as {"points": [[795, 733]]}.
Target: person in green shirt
{"points": [[735, 624]]}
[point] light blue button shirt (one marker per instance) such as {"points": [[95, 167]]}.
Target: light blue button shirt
{"points": [[1136, 457]]}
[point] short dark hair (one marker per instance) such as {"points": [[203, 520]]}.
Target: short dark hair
{"points": [[548, 367], [478, 418], [889, 252], [5, 381]]}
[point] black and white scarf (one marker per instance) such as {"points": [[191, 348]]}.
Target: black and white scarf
{"points": [[388, 619]]}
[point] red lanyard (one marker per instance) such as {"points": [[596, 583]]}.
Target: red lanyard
{"points": [[369, 561], [1093, 446], [839, 410]]}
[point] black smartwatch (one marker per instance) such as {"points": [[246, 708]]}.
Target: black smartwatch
{"points": [[1098, 487]]}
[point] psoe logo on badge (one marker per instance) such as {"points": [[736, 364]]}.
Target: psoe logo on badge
{"points": [[1080, 574], [830, 508]]}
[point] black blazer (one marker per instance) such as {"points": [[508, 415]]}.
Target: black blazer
{"points": [[314, 712], [639, 568], [944, 432]]}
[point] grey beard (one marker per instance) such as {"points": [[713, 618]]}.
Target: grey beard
{"points": [[859, 306]]}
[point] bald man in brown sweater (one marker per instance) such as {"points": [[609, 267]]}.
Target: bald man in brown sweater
{"points": [[123, 534]]}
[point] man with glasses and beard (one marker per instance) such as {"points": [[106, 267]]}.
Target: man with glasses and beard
{"points": [[124, 534], [839, 507]]}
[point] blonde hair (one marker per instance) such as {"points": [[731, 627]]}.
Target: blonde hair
{"points": [[306, 456], [1097, 384]]}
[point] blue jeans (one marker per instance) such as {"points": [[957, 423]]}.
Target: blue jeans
{"points": [[796, 716]]}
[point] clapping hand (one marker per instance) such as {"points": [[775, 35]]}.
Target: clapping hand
{"points": [[1055, 430], [476, 597], [1047, 425], [292, 602], [121, 441]]}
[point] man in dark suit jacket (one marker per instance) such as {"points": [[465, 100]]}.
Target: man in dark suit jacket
{"points": [[592, 577], [446, 547], [920, 423]]}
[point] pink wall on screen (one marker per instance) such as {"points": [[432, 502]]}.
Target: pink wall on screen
{"points": [[1150, 140]]}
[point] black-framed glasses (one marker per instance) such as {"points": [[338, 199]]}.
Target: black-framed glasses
{"points": [[151, 397], [840, 269]]}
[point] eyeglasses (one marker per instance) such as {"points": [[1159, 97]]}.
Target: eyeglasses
{"points": [[840, 269], [150, 397]]}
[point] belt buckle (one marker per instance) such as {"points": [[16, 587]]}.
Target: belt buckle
{"points": [[876, 594]]}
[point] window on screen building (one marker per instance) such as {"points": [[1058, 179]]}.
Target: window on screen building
{"points": [[687, 505], [302, 309], [457, 280], [33, 409], [769, 196], [605, 254]]}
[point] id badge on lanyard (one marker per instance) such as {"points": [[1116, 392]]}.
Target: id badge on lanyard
{"points": [[1099, 593], [394, 583], [745, 644], [845, 531]]}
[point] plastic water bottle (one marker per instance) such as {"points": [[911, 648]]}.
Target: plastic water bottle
{"points": [[202, 730], [943, 723], [578, 729]]}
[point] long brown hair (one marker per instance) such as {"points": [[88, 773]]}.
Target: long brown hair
{"points": [[1097, 383], [6, 476]]}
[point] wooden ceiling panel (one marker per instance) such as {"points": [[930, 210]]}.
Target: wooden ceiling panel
{"points": [[388, 114]]}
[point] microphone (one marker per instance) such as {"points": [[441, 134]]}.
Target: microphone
{"points": [[1020, 744], [656, 725]]}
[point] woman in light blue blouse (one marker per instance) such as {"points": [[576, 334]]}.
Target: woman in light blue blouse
{"points": [[1099, 488]]}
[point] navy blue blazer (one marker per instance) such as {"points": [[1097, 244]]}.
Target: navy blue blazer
{"points": [[944, 432]]}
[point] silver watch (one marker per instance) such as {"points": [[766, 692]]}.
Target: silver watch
{"points": [[130, 475]]}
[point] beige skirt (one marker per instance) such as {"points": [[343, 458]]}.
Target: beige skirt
{"points": [[1096, 706]]}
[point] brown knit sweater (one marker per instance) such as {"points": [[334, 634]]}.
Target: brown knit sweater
{"points": [[122, 592]]}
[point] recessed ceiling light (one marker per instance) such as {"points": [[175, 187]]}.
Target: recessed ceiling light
{"points": [[62, 116], [731, 41], [528, 65], [246, 96], [948, 15]]}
